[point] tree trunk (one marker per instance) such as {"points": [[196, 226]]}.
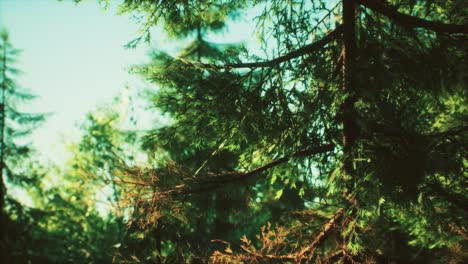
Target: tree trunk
{"points": [[350, 129]]}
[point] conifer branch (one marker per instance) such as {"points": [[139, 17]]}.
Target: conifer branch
{"points": [[308, 49], [297, 257], [219, 180], [333, 257], [459, 200], [411, 21], [326, 230], [289, 257]]}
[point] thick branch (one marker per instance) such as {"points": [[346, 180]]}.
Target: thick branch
{"points": [[456, 199], [350, 127], [411, 21], [297, 257], [269, 256], [333, 257], [219, 180], [308, 49], [326, 230]]}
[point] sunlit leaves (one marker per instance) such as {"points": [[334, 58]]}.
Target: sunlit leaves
{"points": [[408, 160]]}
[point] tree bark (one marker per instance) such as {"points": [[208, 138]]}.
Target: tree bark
{"points": [[350, 128]]}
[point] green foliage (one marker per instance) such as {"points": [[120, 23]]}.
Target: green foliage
{"points": [[16, 124], [16, 167], [268, 141], [180, 18], [408, 160]]}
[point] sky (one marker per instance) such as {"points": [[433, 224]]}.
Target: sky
{"points": [[73, 58]]}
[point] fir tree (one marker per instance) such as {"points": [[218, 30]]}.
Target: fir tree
{"points": [[359, 109], [15, 125]]}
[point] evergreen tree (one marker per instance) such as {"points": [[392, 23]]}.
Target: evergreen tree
{"points": [[15, 125], [357, 121], [76, 216]]}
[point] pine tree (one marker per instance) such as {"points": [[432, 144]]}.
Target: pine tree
{"points": [[361, 109], [14, 124]]}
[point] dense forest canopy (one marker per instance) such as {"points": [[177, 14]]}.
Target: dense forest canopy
{"points": [[341, 139]]}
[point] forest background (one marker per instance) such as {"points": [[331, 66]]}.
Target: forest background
{"points": [[233, 132]]}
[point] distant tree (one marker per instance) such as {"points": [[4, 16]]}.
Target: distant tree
{"points": [[15, 125], [76, 217]]}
